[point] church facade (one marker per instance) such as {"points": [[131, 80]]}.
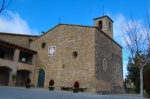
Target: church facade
{"points": [[68, 53]]}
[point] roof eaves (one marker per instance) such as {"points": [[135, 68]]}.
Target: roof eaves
{"points": [[2, 42]]}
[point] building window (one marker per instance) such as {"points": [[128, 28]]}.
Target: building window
{"points": [[75, 54], [43, 45], [2, 53], [100, 24], [23, 59], [104, 64]]}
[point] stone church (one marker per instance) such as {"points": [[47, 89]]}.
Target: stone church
{"points": [[66, 53]]}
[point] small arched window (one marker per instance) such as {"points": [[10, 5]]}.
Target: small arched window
{"points": [[43, 45], [75, 54], [100, 24], [104, 64], [117, 68]]}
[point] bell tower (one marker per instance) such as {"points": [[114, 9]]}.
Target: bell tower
{"points": [[105, 23]]}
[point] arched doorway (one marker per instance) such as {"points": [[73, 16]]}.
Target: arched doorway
{"points": [[4, 75], [41, 78]]}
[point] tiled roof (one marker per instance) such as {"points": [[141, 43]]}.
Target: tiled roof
{"points": [[5, 33], [8, 44]]}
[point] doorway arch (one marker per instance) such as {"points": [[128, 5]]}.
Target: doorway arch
{"points": [[41, 78], [4, 75], [22, 75]]}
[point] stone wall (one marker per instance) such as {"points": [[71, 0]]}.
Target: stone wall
{"points": [[18, 39], [63, 67], [92, 46], [109, 75]]}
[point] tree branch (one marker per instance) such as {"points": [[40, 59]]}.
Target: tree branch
{"points": [[3, 7]]}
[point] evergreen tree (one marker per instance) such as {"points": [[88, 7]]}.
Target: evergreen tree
{"points": [[134, 73]]}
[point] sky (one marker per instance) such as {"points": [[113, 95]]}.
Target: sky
{"points": [[34, 16]]}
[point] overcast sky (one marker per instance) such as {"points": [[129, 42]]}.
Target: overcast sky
{"points": [[34, 16]]}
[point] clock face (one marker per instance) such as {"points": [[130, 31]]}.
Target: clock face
{"points": [[51, 50]]}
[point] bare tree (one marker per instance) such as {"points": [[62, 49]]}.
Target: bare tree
{"points": [[4, 4], [137, 40]]}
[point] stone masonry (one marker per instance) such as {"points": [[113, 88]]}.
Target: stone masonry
{"points": [[110, 77], [11, 48], [93, 46], [63, 68]]}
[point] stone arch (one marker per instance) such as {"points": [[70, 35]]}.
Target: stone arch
{"points": [[22, 75], [6, 67], [24, 69], [5, 74], [40, 75]]}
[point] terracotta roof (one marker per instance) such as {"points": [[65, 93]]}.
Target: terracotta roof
{"points": [[5, 33], [8, 44]]}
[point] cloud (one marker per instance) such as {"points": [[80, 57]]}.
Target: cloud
{"points": [[13, 23]]}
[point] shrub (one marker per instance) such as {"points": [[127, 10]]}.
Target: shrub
{"points": [[76, 84], [14, 77], [51, 82], [28, 81]]}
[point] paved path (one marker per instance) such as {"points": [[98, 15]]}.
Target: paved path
{"points": [[23, 93]]}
